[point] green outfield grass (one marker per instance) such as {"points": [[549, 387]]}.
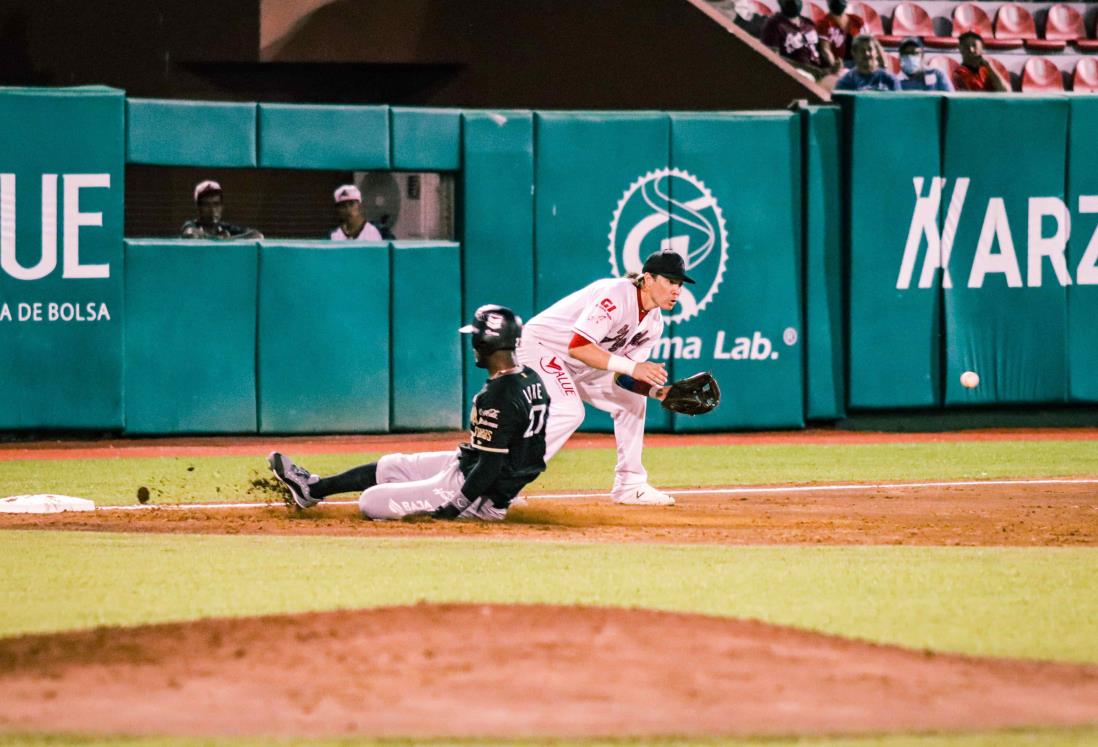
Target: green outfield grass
{"points": [[1019, 602], [1030, 738], [205, 479]]}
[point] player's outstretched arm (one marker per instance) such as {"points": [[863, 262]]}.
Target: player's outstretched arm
{"points": [[629, 384], [653, 374]]}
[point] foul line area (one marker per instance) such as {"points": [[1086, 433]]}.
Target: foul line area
{"points": [[259, 446], [687, 491]]}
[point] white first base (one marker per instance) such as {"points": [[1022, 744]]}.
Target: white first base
{"points": [[44, 503]]}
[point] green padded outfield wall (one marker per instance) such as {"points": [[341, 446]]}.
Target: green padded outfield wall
{"points": [[590, 170], [894, 340], [300, 136], [190, 336], [190, 133], [1006, 312], [425, 139], [426, 347], [497, 213], [825, 354], [1082, 201], [735, 187], [323, 345], [61, 312]]}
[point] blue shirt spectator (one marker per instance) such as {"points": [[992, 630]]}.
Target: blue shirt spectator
{"points": [[878, 80], [867, 74]]}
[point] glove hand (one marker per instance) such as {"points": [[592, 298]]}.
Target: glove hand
{"points": [[695, 395]]}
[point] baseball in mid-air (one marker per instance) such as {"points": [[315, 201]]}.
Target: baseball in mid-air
{"points": [[970, 379]]}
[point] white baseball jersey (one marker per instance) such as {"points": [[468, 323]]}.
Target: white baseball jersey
{"points": [[368, 232], [607, 313]]}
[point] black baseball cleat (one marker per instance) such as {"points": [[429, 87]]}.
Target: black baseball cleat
{"points": [[296, 479]]}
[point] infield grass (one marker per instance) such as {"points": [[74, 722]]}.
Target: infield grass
{"points": [[1083, 737], [1018, 602], [211, 479]]}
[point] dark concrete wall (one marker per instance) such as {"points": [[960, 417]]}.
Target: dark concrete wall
{"points": [[605, 54]]}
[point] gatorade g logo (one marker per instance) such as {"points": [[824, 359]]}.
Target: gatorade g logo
{"points": [[670, 209]]}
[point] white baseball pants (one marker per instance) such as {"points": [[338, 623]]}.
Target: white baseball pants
{"points": [[410, 484], [570, 384]]}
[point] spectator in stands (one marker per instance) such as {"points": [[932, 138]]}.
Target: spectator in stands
{"points": [[795, 39], [352, 226], [867, 73], [975, 73], [915, 77], [208, 225], [836, 30], [742, 13]]}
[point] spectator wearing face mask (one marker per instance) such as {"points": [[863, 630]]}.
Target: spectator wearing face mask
{"points": [[795, 39], [915, 77], [835, 30]]}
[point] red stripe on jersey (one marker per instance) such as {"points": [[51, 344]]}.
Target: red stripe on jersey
{"points": [[578, 341]]}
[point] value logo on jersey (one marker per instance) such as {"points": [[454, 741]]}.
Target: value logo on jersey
{"points": [[672, 210], [553, 367]]}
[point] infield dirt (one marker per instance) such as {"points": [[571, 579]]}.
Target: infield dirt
{"points": [[536, 671], [1059, 514], [510, 671]]}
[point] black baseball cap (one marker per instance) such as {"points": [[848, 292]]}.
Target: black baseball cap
{"points": [[911, 41], [668, 264]]}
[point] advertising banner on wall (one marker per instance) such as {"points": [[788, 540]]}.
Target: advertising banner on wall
{"points": [[61, 198], [893, 156], [1005, 272], [589, 168], [1082, 201], [725, 196], [736, 204]]}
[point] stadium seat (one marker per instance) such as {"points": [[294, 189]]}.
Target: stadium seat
{"points": [[971, 17], [1085, 78], [893, 63], [1041, 74], [873, 24], [816, 13], [1015, 22], [1002, 70], [1065, 23], [762, 9], [911, 19]]}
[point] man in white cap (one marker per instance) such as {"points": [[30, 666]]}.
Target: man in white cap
{"points": [[352, 226], [208, 224]]}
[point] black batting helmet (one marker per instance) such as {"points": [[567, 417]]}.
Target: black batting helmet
{"points": [[494, 328]]}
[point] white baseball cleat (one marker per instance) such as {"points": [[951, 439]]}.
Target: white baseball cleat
{"points": [[642, 495]]}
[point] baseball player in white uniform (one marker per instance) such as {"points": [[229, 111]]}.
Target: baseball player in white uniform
{"points": [[593, 346], [352, 226]]}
